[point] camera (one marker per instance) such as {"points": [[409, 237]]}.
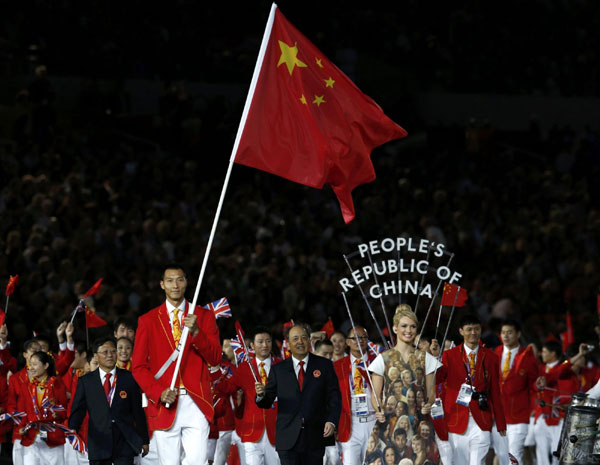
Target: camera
{"points": [[482, 401]]}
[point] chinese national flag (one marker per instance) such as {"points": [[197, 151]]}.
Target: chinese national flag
{"points": [[598, 304], [449, 295], [92, 320], [567, 337], [328, 327], [308, 122]]}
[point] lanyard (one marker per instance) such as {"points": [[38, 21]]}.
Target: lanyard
{"points": [[34, 400], [112, 389]]}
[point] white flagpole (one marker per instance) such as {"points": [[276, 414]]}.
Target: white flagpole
{"points": [[257, 68]]}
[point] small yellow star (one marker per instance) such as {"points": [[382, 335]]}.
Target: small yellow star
{"points": [[288, 56], [303, 99], [329, 82], [319, 99], [319, 64]]}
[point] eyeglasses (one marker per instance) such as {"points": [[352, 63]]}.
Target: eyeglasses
{"points": [[104, 353]]}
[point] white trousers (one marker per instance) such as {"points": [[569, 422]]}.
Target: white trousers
{"points": [[151, 457], [72, 457], [261, 452], [472, 447], [445, 450], [546, 441], [332, 455], [17, 452], [185, 442], [39, 453], [355, 448], [237, 441], [514, 442], [222, 449]]}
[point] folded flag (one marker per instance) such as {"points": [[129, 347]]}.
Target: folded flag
{"points": [[12, 282]]}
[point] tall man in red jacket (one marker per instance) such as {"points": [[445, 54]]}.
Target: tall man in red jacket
{"points": [[518, 372], [358, 414], [256, 428], [186, 422], [472, 401]]}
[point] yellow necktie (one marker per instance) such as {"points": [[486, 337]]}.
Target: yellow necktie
{"points": [[263, 373], [359, 387], [506, 367], [176, 326], [472, 363]]}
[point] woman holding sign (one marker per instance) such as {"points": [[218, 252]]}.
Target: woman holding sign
{"points": [[406, 358]]}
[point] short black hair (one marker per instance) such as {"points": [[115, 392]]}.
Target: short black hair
{"points": [[46, 358], [512, 322], [468, 319], [125, 321], [125, 338], [28, 343], [400, 432], [101, 341], [260, 330], [553, 346], [172, 266], [325, 342]]}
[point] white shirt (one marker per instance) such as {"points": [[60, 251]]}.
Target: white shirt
{"points": [[267, 362], [171, 308], [377, 366], [113, 373], [513, 354], [297, 364]]}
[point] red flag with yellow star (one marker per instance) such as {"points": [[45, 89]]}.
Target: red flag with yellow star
{"points": [[308, 122], [92, 320], [449, 297]]}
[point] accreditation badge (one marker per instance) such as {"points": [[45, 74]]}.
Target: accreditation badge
{"points": [[437, 409], [361, 408], [465, 394]]}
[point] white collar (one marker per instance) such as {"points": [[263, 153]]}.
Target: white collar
{"points": [[103, 373], [297, 362], [171, 307], [469, 351]]}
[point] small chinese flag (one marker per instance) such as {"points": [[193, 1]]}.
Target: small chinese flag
{"points": [[449, 295], [10, 287], [567, 337], [328, 327], [598, 304], [92, 320], [94, 289], [2, 317], [307, 121]]}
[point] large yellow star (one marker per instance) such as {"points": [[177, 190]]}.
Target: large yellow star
{"points": [[319, 99], [288, 56], [303, 99], [329, 82]]}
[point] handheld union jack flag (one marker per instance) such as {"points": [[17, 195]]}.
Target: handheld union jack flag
{"points": [[238, 350], [220, 308], [512, 459], [77, 443], [15, 417], [53, 408], [374, 349]]}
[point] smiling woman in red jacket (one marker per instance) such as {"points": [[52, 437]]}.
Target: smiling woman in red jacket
{"points": [[43, 398]]}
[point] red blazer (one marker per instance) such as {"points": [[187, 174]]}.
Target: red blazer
{"points": [[63, 360], [342, 370], [559, 377], [254, 420], [7, 362], [518, 388], [154, 344], [21, 400], [454, 374]]}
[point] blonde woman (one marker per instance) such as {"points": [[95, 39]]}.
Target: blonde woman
{"points": [[407, 359], [404, 354]]}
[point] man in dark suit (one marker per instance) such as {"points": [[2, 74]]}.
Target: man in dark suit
{"points": [[309, 402], [117, 424]]}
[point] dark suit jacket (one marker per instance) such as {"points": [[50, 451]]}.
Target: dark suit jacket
{"points": [[116, 431], [317, 403]]}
